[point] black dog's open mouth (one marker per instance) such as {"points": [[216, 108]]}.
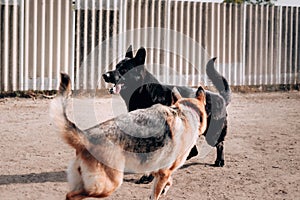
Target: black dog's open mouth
{"points": [[116, 89]]}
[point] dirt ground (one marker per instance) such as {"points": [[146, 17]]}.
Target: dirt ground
{"points": [[262, 153]]}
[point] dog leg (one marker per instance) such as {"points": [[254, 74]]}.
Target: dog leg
{"points": [[162, 178], [167, 187], [220, 147], [220, 155]]}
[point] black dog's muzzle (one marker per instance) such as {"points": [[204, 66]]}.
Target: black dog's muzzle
{"points": [[110, 77], [115, 78]]}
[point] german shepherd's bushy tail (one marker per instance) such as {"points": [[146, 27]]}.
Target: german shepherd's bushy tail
{"points": [[70, 133], [218, 80]]}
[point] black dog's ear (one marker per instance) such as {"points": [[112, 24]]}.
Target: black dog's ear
{"points": [[140, 56], [129, 53]]}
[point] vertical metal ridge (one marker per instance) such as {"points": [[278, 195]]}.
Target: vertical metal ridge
{"points": [[228, 73], [212, 50], [146, 25], [106, 55], [67, 21], [84, 64], [278, 74], [58, 47], [34, 45], [199, 38], [260, 55], [5, 69], [21, 46], [193, 35], [122, 27], [290, 47], [152, 37], [175, 18], [167, 40], [77, 47], [266, 56], [73, 44], [92, 78], [114, 33], [1, 52], [138, 19], [271, 39], [51, 52], [14, 51], [186, 46], [256, 35], [218, 45], [100, 52], [224, 37], [130, 22], [234, 44], [158, 39], [26, 51], [42, 52], [181, 42], [285, 29], [297, 64], [243, 71]]}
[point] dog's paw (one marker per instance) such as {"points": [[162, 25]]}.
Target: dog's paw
{"points": [[165, 190], [193, 153], [145, 179], [219, 163]]}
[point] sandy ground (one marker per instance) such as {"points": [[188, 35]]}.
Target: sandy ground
{"points": [[262, 152]]}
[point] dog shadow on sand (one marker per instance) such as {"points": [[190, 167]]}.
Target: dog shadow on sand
{"points": [[42, 177], [59, 176]]}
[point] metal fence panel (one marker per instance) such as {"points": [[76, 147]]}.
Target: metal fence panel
{"points": [[37, 43], [255, 45]]}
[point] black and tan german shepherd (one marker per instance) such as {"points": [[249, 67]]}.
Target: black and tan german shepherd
{"points": [[140, 89], [154, 140]]}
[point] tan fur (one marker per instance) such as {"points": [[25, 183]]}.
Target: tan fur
{"points": [[90, 178], [201, 98]]}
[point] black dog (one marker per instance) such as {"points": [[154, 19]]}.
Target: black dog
{"points": [[140, 89]]}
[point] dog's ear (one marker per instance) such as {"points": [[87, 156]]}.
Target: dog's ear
{"points": [[140, 56], [129, 53], [200, 95], [65, 84], [175, 95]]}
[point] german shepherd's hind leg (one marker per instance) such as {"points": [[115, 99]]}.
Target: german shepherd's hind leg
{"points": [[89, 178], [98, 186], [161, 180]]}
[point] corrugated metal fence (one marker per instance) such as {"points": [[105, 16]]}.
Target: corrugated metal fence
{"points": [[255, 45], [36, 38]]}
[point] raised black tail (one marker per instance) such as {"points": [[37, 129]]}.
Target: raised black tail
{"points": [[218, 80]]}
